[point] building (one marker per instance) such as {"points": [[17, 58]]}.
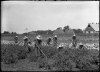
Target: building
{"points": [[92, 28]]}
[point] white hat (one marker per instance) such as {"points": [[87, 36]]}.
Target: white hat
{"points": [[25, 37], [55, 36], [16, 36], [38, 37], [74, 35], [81, 43]]}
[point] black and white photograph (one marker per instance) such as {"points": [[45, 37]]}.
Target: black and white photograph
{"points": [[50, 35], [51, 0]]}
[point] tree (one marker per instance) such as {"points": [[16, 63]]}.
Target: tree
{"points": [[77, 31], [6, 32], [65, 27], [58, 28], [13, 33], [49, 32]]}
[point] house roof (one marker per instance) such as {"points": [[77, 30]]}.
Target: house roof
{"points": [[95, 26], [89, 28]]}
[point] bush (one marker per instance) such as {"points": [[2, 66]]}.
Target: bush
{"points": [[33, 57], [12, 53], [71, 59], [66, 59], [49, 51]]}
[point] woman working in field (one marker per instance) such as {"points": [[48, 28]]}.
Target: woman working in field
{"points": [[74, 41], [55, 40], [38, 43], [16, 39], [49, 40], [26, 42]]}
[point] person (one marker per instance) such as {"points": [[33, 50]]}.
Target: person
{"points": [[16, 39], [81, 46], [60, 47], [26, 41], [49, 40], [55, 40], [29, 46], [74, 41], [38, 42]]}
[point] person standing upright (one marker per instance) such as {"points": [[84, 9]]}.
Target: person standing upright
{"points": [[16, 39], [38, 43], [26, 42], [74, 41], [55, 40]]}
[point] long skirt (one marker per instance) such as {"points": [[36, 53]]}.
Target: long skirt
{"points": [[55, 43], [37, 50], [74, 44], [26, 46]]}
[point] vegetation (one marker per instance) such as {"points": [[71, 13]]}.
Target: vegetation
{"points": [[65, 59]]}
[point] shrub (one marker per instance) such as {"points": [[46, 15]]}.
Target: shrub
{"points": [[49, 51], [33, 57], [9, 58], [11, 53], [71, 59], [46, 63], [66, 59]]}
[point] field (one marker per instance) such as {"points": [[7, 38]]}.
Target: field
{"points": [[15, 57]]}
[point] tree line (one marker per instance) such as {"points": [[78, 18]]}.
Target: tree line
{"points": [[76, 31]]}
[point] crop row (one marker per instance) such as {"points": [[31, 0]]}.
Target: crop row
{"points": [[87, 45]]}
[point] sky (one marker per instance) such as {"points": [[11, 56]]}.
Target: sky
{"points": [[43, 15]]}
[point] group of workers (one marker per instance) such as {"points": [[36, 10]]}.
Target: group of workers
{"points": [[38, 41]]}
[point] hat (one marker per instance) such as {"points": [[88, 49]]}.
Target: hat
{"points": [[38, 37], [16, 36], [80, 43], [55, 36], [25, 37], [74, 35]]}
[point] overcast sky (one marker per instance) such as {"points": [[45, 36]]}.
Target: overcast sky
{"points": [[38, 15]]}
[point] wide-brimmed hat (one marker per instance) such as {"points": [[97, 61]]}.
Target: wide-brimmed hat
{"points": [[55, 36], [38, 37], [81, 43], [25, 37]]}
